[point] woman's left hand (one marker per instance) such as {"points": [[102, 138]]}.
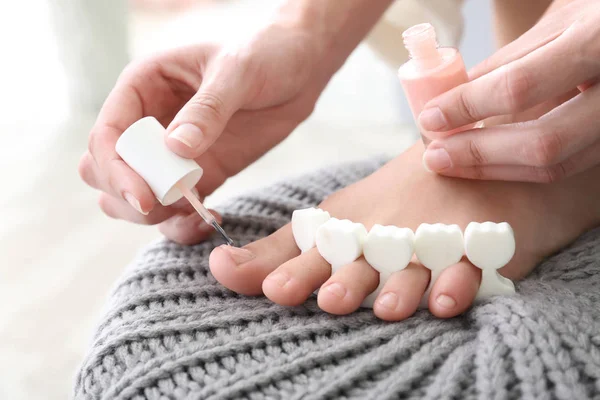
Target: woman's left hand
{"points": [[551, 70]]}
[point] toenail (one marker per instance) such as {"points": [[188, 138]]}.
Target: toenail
{"points": [[389, 300], [279, 278], [445, 301], [336, 289], [238, 255]]}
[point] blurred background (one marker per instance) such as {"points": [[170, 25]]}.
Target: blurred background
{"points": [[59, 255]]}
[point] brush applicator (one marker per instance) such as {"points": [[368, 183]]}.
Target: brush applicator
{"points": [[171, 177]]}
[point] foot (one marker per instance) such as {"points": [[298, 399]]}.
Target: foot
{"points": [[545, 218]]}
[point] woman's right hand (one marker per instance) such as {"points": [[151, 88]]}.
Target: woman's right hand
{"points": [[224, 106]]}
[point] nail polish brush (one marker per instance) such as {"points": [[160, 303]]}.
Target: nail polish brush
{"points": [[142, 146]]}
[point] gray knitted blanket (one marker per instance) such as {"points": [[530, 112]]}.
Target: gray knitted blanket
{"points": [[170, 331]]}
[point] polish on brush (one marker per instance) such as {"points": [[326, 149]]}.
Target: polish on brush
{"points": [[142, 146]]}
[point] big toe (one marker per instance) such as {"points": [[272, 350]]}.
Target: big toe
{"points": [[244, 269]]}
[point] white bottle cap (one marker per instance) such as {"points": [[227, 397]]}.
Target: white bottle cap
{"points": [[142, 146]]}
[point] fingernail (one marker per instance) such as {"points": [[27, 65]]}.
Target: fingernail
{"points": [[188, 134], [238, 255], [435, 160], [203, 227], [336, 289], [134, 202], [445, 301], [432, 119], [280, 278], [389, 300]]}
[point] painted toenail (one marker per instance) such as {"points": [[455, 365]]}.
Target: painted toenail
{"points": [[336, 289], [279, 278], [445, 301], [238, 255], [389, 300]]}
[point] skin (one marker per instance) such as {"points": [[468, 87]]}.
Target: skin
{"points": [[551, 69], [239, 101], [403, 194], [235, 103], [512, 18]]}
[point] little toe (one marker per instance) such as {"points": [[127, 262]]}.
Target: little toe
{"points": [[455, 289], [244, 269], [401, 295], [347, 288], [294, 281]]}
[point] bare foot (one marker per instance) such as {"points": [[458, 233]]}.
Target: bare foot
{"points": [[545, 218]]}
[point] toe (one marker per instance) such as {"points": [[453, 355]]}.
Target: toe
{"points": [[455, 289], [244, 269], [347, 288], [401, 295], [293, 282]]}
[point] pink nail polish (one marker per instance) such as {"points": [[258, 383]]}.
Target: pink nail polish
{"points": [[431, 71]]}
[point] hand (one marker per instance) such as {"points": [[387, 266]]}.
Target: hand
{"points": [[550, 70], [224, 107]]}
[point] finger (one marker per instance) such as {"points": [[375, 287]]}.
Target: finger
{"points": [[87, 170], [239, 149], [111, 173], [117, 208], [548, 141], [455, 289], [188, 229], [540, 35], [579, 162], [202, 120], [348, 287], [548, 72], [401, 295]]}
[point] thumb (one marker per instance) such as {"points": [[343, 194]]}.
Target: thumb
{"points": [[204, 117]]}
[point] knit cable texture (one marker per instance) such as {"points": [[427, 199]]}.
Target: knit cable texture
{"points": [[170, 331]]}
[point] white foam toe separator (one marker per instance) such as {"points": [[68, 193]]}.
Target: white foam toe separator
{"points": [[340, 242], [387, 249], [437, 247], [305, 224], [490, 246]]}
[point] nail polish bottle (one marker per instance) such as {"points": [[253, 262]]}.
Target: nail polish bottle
{"points": [[142, 147], [170, 177], [430, 71]]}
